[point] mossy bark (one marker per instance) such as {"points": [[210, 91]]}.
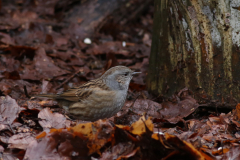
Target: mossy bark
{"points": [[196, 45]]}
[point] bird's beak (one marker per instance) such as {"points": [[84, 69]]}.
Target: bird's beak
{"points": [[136, 72]]}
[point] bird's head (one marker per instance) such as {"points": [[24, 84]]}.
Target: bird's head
{"points": [[118, 78]]}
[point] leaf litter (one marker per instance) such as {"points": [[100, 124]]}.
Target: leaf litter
{"points": [[39, 56]]}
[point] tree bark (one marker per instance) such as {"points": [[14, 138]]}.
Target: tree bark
{"points": [[196, 45]]}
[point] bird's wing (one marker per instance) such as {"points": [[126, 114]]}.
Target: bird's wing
{"points": [[69, 95], [82, 92]]}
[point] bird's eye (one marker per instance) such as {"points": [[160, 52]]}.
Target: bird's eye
{"points": [[126, 74]]}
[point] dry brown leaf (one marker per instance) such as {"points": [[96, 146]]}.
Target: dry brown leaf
{"points": [[150, 107], [238, 111], [42, 67], [81, 140], [171, 111], [184, 146], [5, 38], [233, 153], [8, 156], [204, 153], [129, 154], [119, 151], [41, 150], [20, 141], [9, 110], [52, 120]]}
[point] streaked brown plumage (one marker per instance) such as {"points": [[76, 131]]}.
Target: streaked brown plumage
{"points": [[99, 98]]}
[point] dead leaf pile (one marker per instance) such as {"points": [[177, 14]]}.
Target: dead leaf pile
{"points": [[43, 50], [96, 139]]}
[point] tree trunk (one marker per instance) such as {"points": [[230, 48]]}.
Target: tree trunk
{"points": [[196, 45]]}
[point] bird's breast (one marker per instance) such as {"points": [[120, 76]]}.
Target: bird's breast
{"points": [[120, 98]]}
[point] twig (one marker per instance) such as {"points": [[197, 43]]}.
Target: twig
{"points": [[26, 92], [131, 107], [218, 105], [67, 80]]}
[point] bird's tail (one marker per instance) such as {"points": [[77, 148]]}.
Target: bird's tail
{"points": [[50, 96]]}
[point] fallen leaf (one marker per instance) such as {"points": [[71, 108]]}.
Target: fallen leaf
{"points": [[76, 142], [120, 151], [139, 127], [20, 141], [238, 111], [42, 67], [52, 120], [233, 153], [184, 147], [147, 106], [108, 47], [97, 133], [9, 110], [11, 75], [6, 39], [41, 150]]}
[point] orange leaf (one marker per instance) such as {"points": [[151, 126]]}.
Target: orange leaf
{"points": [[93, 132], [238, 111], [41, 135], [139, 127], [183, 146], [220, 151]]}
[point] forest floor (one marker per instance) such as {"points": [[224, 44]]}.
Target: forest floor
{"points": [[38, 55]]}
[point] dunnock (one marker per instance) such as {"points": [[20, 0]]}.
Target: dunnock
{"points": [[96, 99]]}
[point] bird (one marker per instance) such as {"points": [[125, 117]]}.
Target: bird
{"points": [[96, 99]]}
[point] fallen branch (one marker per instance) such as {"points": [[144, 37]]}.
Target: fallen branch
{"points": [[219, 105]]}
